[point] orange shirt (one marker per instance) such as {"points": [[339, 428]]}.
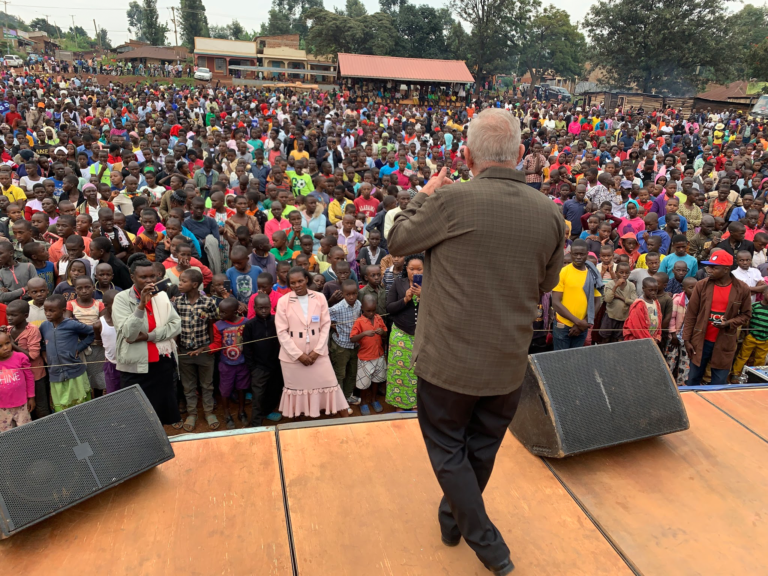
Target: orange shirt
{"points": [[371, 347]]}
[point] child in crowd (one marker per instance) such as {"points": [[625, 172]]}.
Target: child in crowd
{"points": [[261, 349], [750, 276], [679, 253], [342, 351], [619, 295], [108, 337], [677, 357], [644, 316], [756, 341], [196, 312], [86, 310], [37, 254], [26, 339], [280, 249], [368, 332], [148, 240], [65, 341], [296, 231], [75, 270], [675, 283], [281, 286], [17, 385], [243, 275], [104, 276], [372, 253], [307, 245], [37, 290], [233, 372]]}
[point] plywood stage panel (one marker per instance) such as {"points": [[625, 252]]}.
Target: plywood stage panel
{"points": [[217, 508], [691, 503], [750, 407], [363, 501]]}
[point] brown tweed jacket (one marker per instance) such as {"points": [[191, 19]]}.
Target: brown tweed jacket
{"points": [[491, 246]]}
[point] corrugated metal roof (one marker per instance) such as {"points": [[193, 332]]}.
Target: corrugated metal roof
{"points": [[220, 46], [151, 52], [726, 91], [405, 69]]}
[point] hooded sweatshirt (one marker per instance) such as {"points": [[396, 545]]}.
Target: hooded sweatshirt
{"points": [[15, 280]]}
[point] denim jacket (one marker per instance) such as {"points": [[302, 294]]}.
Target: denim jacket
{"points": [[62, 343]]}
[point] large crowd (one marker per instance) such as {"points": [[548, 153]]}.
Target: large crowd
{"points": [[229, 245]]}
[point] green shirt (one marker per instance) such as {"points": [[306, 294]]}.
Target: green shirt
{"points": [[301, 185], [296, 245], [287, 257], [758, 324]]}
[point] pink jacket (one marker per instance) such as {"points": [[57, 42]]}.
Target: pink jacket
{"points": [[299, 334], [678, 313]]}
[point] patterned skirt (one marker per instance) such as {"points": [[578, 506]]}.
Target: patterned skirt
{"points": [[401, 379], [70, 392]]}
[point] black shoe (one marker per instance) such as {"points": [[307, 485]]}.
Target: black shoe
{"points": [[449, 542], [502, 569]]}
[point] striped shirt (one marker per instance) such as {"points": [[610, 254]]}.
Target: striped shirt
{"points": [[758, 324]]}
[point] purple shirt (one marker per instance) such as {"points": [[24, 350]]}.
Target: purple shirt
{"points": [[660, 204], [351, 244]]}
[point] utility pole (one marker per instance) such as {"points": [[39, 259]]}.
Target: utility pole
{"points": [[74, 30], [175, 31], [7, 42], [95, 29]]}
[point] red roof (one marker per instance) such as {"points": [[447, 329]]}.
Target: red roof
{"points": [[406, 69]]}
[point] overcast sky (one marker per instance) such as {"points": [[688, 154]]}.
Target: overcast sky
{"points": [[112, 15]]}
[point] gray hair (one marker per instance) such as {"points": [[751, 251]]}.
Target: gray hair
{"points": [[494, 136]]}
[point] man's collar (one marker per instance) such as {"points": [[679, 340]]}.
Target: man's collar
{"points": [[498, 172]]}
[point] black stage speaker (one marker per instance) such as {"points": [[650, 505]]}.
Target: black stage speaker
{"points": [[587, 398], [53, 463]]}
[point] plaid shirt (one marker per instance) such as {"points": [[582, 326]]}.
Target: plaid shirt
{"points": [[195, 320], [344, 316]]}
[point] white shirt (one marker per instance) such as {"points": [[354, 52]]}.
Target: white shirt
{"points": [[750, 277], [109, 340], [304, 301]]}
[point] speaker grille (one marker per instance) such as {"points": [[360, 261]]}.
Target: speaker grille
{"points": [[122, 437], [40, 473], [54, 462], [610, 394]]}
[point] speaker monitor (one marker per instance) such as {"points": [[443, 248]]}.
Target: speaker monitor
{"points": [[593, 397], [53, 463]]}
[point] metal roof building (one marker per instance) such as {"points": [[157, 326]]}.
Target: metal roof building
{"points": [[403, 69]]}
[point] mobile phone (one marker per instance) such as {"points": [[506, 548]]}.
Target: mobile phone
{"points": [[227, 285], [417, 279], [162, 286], [717, 323]]}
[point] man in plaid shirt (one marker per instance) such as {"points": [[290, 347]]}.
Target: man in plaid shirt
{"points": [[197, 312]]}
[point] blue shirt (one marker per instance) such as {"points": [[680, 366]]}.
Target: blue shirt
{"points": [[573, 211], [187, 234], [660, 233], [669, 263], [48, 273], [61, 345], [244, 283], [387, 169], [683, 223], [736, 214]]}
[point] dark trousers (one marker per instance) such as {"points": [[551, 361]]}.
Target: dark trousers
{"points": [[42, 398], [463, 434], [266, 389], [719, 376]]}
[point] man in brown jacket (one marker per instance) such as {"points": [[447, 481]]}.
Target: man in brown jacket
{"points": [[491, 247], [719, 304]]}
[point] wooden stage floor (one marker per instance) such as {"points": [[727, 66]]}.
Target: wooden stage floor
{"points": [[358, 498]]}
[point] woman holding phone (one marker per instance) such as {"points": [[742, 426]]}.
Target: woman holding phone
{"points": [[403, 309], [146, 324]]}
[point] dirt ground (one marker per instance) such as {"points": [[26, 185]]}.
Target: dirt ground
{"points": [[202, 425]]}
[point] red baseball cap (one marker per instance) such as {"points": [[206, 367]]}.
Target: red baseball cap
{"points": [[720, 258]]}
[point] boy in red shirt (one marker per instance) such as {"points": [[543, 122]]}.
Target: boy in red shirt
{"points": [[368, 331], [365, 203]]}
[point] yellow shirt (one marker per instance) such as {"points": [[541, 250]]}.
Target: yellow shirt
{"points": [[572, 287], [641, 261], [287, 210], [299, 155], [14, 193], [335, 211]]}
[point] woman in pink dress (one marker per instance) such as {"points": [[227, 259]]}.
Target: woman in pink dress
{"points": [[303, 325]]}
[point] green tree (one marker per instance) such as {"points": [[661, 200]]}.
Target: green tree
{"points": [[757, 61], [289, 17], [153, 30], [421, 30], [332, 33], [629, 41], [457, 43], [748, 29], [135, 14], [193, 21], [218, 32], [498, 31], [552, 44], [42, 25], [237, 32], [103, 40], [355, 9]]}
